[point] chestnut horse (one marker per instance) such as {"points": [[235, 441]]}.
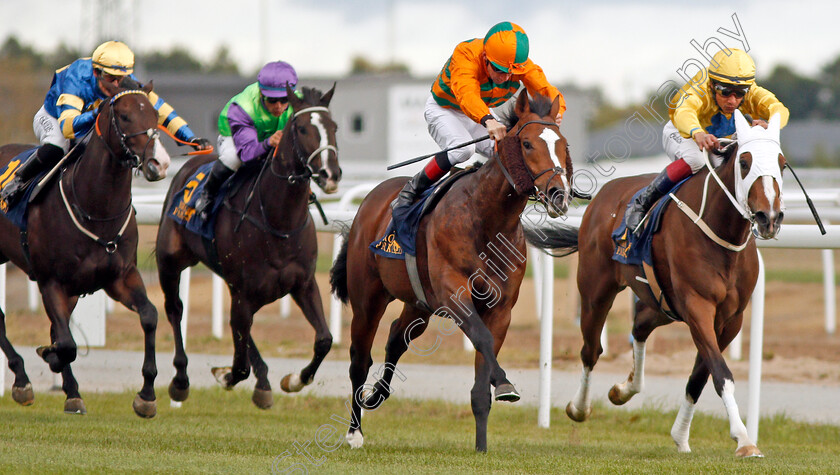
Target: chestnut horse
{"points": [[82, 236], [272, 254], [704, 261], [476, 218]]}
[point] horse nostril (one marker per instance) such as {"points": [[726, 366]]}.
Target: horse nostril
{"points": [[761, 218]]}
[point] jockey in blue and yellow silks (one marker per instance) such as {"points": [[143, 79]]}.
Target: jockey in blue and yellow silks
{"points": [[70, 108], [702, 112], [481, 73]]}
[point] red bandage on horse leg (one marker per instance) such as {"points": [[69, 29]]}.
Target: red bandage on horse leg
{"points": [[678, 170]]}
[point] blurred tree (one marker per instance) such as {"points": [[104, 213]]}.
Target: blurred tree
{"points": [[23, 56], [177, 59], [830, 98], [362, 65], [798, 93], [222, 63], [64, 55]]}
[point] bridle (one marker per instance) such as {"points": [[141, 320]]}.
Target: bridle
{"points": [[127, 157], [537, 194], [300, 154]]}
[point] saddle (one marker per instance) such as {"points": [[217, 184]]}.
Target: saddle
{"points": [[399, 241]]}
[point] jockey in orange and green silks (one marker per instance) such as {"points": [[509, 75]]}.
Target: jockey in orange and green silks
{"points": [[481, 73], [701, 112]]}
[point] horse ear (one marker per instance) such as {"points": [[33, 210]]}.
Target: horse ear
{"points": [[522, 105], [326, 98], [555, 107], [742, 127], [148, 87]]}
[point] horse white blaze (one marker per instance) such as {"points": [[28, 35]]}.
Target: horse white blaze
{"points": [[682, 425], [162, 157], [551, 137], [322, 132], [769, 189]]}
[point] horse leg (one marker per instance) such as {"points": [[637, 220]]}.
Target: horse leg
{"points": [[74, 403], [646, 319], [131, 292], [58, 305], [308, 298], [596, 299], [682, 424], [701, 323], [482, 340], [22, 391], [262, 397], [241, 318], [410, 325], [480, 400], [367, 312], [170, 281]]}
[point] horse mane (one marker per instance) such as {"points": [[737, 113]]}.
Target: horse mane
{"points": [[539, 105]]}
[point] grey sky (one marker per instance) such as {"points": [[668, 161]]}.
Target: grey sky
{"points": [[628, 48]]}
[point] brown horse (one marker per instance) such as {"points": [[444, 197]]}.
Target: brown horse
{"points": [[706, 271], [273, 253], [82, 236], [473, 240]]}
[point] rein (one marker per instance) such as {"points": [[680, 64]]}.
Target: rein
{"points": [[698, 220]]}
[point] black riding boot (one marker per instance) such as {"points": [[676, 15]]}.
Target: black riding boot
{"points": [[642, 203], [47, 156], [218, 174], [415, 186]]}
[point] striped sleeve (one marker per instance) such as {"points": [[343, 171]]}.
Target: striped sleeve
{"points": [[170, 119]]}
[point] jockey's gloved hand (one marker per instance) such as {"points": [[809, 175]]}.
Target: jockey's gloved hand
{"points": [[199, 143]]}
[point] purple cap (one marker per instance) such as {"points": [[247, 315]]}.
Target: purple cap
{"points": [[273, 78]]}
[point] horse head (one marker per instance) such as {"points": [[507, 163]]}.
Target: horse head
{"points": [[131, 132], [536, 155], [313, 135], [758, 175]]}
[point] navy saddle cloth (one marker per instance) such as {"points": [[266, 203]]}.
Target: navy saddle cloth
{"points": [[17, 212]]}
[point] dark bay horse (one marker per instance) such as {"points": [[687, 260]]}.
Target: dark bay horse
{"points": [[82, 237], [272, 254], [706, 276], [471, 244]]}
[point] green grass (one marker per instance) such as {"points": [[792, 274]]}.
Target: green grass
{"points": [[221, 432]]}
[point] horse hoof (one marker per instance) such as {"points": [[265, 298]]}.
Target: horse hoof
{"points": [[143, 408], [506, 392], [24, 396], [291, 383], [748, 451], [222, 375], [355, 439], [177, 394], [576, 415], [75, 405], [616, 398], [262, 398]]}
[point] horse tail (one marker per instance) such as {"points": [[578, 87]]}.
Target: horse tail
{"points": [[560, 238], [338, 273]]}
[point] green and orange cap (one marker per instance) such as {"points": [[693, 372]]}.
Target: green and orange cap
{"points": [[506, 46]]}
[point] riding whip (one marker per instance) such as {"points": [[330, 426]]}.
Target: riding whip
{"points": [[417, 159], [808, 200]]}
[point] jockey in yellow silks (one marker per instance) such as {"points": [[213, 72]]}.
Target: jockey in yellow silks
{"points": [[701, 112]]}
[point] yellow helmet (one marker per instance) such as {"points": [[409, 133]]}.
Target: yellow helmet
{"points": [[113, 57], [733, 67]]}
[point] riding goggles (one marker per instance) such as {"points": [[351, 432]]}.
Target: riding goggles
{"points": [[726, 90]]}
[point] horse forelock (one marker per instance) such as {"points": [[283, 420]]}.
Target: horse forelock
{"points": [[539, 105]]}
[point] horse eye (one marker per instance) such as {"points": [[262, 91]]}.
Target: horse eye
{"points": [[527, 145], [301, 129], [744, 165]]}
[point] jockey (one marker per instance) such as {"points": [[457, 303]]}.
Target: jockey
{"points": [[250, 126], [71, 105], [702, 110], [481, 73]]}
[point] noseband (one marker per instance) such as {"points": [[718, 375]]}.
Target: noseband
{"points": [[127, 156], [300, 155]]}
